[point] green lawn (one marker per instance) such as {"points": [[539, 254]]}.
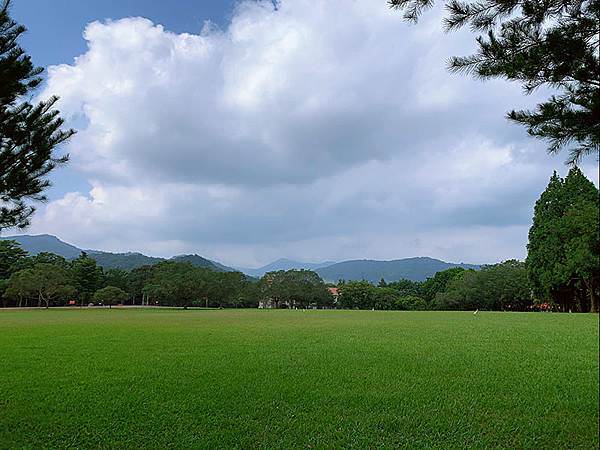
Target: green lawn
{"points": [[264, 378]]}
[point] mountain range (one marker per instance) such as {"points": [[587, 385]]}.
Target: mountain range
{"points": [[416, 269], [284, 264], [126, 261]]}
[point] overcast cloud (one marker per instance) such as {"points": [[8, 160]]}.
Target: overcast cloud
{"points": [[318, 130]]}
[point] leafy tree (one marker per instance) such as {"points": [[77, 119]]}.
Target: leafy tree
{"points": [[29, 134], [273, 288], [11, 257], [110, 295], [46, 282], [177, 283], [496, 287], [551, 43], [11, 254], [384, 298], [410, 303], [295, 288], [117, 278], [3, 286], [357, 295], [438, 283], [248, 294], [50, 258], [88, 277], [407, 287], [545, 247], [21, 287], [563, 261], [229, 288], [581, 239], [582, 250], [460, 293], [136, 280]]}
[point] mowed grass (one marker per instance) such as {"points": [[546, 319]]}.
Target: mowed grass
{"points": [[262, 378]]}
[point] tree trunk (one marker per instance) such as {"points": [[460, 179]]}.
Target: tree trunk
{"points": [[593, 300], [593, 297]]}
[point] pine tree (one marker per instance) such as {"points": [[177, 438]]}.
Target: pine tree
{"points": [[29, 134], [552, 43]]}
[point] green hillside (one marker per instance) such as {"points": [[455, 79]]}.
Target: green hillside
{"points": [[125, 261], [45, 243], [199, 261]]}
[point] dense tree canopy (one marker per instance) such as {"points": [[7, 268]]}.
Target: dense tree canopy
{"points": [[110, 295], [439, 282], [46, 282], [563, 259], [552, 43], [117, 278], [29, 134], [294, 288], [87, 276], [11, 254], [498, 287]]}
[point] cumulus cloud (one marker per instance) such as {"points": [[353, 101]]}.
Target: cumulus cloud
{"points": [[307, 130]]}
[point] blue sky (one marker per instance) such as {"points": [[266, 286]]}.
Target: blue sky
{"points": [[56, 26], [317, 130]]}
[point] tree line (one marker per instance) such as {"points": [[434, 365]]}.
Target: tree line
{"points": [[47, 279], [497, 287]]}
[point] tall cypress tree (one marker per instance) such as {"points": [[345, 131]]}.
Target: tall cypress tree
{"points": [[563, 260], [29, 134], [582, 237], [544, 247]]}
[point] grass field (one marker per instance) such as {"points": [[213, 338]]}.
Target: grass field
{"points": [[265, 378]]}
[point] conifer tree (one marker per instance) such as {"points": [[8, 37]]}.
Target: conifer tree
{"points": [[551, 43], [29, 134], [563, 261], [582, 236]]}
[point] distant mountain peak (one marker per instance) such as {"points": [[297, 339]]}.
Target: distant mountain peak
{"points": [[39, 243], [415, 268]]}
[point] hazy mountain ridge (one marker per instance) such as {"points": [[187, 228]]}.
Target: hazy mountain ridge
{"points": [[284, 264], [35, 244], [417, 269], [40, 243], [125, 261], [199, 261]]}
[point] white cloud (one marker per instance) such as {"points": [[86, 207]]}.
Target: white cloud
{"points": [[315, 130]]}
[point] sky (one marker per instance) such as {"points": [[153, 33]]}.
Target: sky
{"points": [[309, 129]]}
